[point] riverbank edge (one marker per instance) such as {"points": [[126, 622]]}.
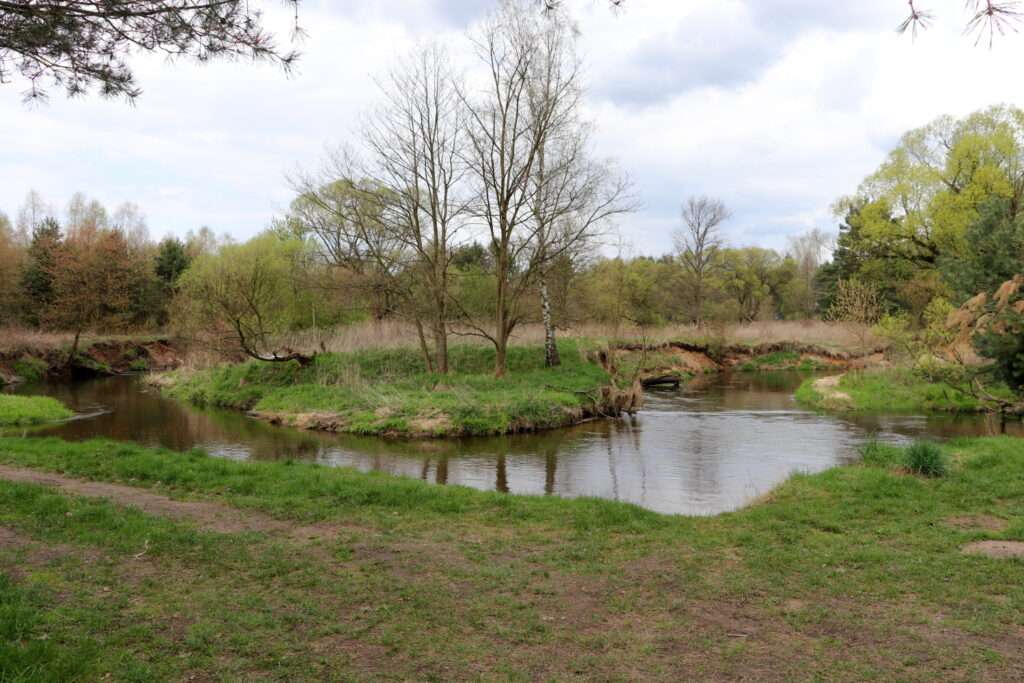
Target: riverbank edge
{"points": [[894, 391], [293, 489], [30, 411], [105, 357], [630, 367], [469, 401]]}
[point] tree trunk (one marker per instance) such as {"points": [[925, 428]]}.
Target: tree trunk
{"points": [[501, 313], [74, 350], [500, 355], [551, 358], [424, 349], [441, 347]]}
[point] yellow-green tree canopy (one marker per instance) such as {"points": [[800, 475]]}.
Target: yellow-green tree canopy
{"points": [[919, 204]]}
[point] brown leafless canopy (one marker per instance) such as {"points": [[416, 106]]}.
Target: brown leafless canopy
{"points": [[80, 44]]}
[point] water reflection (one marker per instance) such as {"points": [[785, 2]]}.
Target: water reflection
{"points": [[709, 447]]}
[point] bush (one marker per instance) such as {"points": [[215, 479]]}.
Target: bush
{"points": [[926, 459]]}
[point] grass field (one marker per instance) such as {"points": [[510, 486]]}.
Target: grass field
{"points": [[194, 568], [18, 411], [893, 390], [390, 391]]}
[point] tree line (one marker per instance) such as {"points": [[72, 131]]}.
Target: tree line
{"points": [[89, 268]]}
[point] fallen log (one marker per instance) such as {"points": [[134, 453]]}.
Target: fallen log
{"points": [[660, 381]]}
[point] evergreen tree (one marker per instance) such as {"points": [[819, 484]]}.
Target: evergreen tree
{"points": [[37, 279]]}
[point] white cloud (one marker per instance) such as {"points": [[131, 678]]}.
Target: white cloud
{"points": [[776, 106]]}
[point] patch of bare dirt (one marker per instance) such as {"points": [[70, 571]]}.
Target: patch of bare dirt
{"points": [[430, 424], [996, 549], [206, 515], [977, 522], [828, 388]]}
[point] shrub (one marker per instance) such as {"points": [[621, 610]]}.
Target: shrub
{"points": [[926, 459]]}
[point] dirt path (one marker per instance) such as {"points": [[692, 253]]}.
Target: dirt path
{"points": [[209, 516]]}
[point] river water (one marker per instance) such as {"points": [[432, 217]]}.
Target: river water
{"points": [[709, 447]]}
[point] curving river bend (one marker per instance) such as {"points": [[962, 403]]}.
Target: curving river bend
{"points": [[710, 447]]}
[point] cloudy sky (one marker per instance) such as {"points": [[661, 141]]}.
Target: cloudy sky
{"points": [[776, 106]]}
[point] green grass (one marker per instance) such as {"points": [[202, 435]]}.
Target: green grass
{"points": [[895, 390], [30, 369], [391, 392], [927, 460], [19, 411], [445, 583]]}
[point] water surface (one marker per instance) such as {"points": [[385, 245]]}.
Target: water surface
{"points": [[709, 447]]}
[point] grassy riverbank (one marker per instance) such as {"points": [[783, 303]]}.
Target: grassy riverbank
{"points": [[19, 411], [892, 390], [390, 392], [855, 574]]}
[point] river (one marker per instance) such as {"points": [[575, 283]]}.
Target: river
{"points": [[710, 447]]}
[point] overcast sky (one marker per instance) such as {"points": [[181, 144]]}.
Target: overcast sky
{"points": [[776, 106]]}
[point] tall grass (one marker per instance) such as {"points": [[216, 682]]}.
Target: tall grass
{"points": [[391, 334], [16, 340], [926, 459]]}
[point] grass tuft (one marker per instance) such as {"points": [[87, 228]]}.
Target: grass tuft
{"points": [[926, 459]]}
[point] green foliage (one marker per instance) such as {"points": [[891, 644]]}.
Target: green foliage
{"points": [[994, 253], [940, 217], [30, 369], [391, 392], [37, 277], [254, 292], [752, 277], [926, 459], [172, 260], [1003, 342], [30, 410]]}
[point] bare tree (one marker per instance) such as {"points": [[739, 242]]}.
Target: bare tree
{"points": [[415, 144], [859, 306], [397, 227], [698, 243], [537, 195]]}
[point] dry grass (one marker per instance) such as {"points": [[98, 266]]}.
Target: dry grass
{"points": [[15, 340], [391, 334], [394, 334]]}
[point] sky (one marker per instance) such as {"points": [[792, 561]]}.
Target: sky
{"points": [[777, 107]]}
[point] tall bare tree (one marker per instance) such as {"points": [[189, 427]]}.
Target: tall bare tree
{"points": [[402, 220], [698, 243], [415, 151], [537, 194]]}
